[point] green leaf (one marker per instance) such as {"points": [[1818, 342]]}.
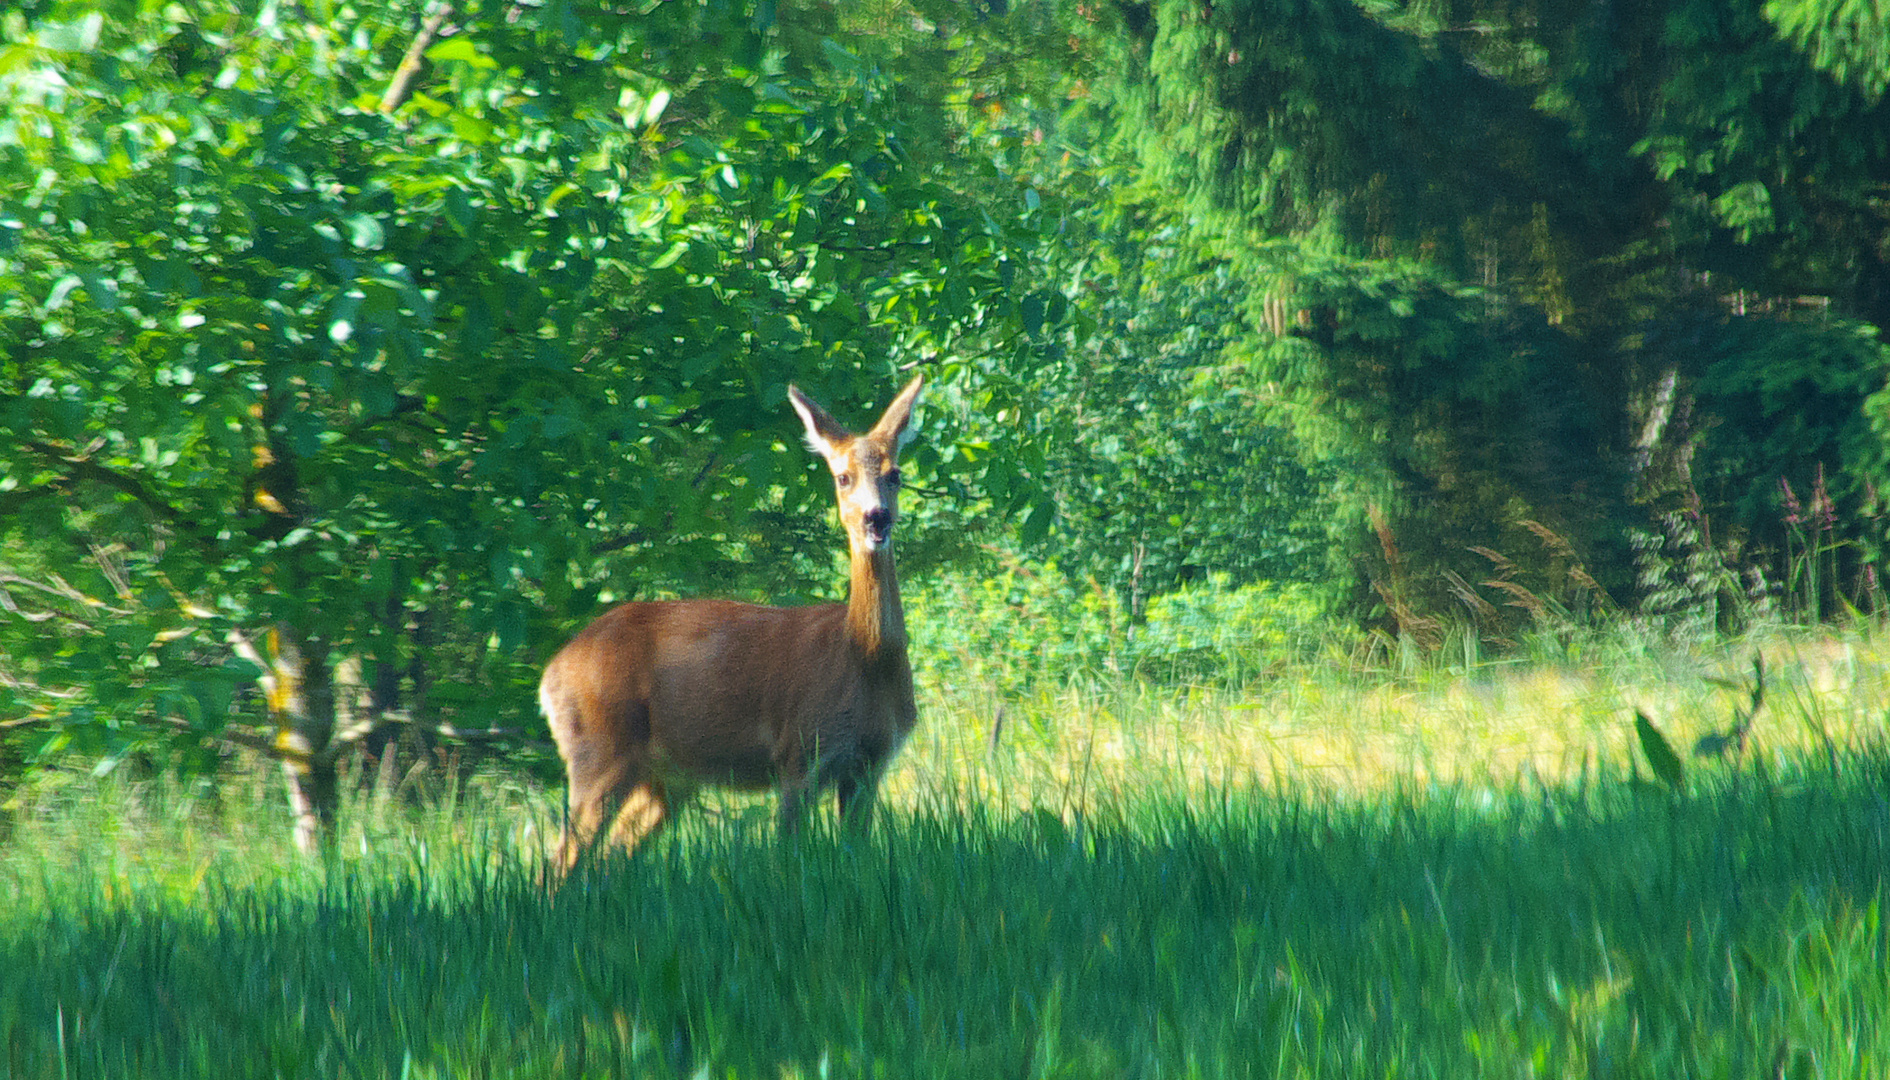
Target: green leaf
{"points": [[459, 211], [80, 35], [1659, 753], [509, 625], [840, 58], [1036, 524], [60, 290], [559, 194], [668, 258], [365, 232], [1747, 208], [653, 109], [1031, 312], [472, 129], [462, 50]]}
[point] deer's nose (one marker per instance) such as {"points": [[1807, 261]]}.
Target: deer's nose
{"points": [[879, 521]]}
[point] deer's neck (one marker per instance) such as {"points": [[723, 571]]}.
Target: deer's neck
{"points": [[876, 622]]}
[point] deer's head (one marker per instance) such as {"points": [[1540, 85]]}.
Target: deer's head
{"points": [[865, 467]]}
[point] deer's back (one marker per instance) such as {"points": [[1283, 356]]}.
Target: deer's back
{"points": [[717, 690]]}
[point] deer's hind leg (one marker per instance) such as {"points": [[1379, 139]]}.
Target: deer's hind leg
{"points": [[857, 793], [594, 800], [613, 795], [645, 809], [620, 811]]}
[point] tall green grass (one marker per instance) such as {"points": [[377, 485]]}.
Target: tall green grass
{"points": [[1135, 881]]}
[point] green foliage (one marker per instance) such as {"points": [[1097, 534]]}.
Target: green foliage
{"points": [[1787, 400], [282, 347], [1347, 121], [1848, 38], [1459, 225], [1021, 629], [1214, 633], [1169, 470], [1012, 627], [1458, 435], [1772, 163], [1782, 452]]}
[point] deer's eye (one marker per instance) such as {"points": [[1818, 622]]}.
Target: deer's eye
{"points": [[895, 478], [844, 479]]}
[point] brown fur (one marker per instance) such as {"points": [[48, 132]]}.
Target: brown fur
{"points": [[654, 699]]}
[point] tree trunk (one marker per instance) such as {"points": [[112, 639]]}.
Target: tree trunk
{"points": [[303, 704]]}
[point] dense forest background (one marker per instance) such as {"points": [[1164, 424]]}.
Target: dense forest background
{"points": [[353, 355]]}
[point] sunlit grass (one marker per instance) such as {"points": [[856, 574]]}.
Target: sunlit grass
{"points": [[1332, 874], [1332, 727]]}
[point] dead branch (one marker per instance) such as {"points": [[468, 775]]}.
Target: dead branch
{"points": [[401, 85]]}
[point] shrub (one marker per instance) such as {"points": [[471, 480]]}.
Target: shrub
{"points": [[1028, 627]]}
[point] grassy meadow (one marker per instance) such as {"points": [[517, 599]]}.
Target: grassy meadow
{"points": [[1337, 872]]}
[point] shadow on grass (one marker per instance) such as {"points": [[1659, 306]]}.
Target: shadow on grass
{"points": [[1609, 929]]}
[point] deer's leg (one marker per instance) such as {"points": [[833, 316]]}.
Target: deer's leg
{"points": [[857, 791], [598, 795], [579, 828], [796, 792], [857, 796], [796, 782], [850, 771], [644, 811], [605, 763]]}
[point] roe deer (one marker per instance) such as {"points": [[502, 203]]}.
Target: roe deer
{"points": [[656, 698]]}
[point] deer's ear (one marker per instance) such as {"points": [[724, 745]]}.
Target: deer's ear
{"points": [[825, 436], [892, 425]]}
